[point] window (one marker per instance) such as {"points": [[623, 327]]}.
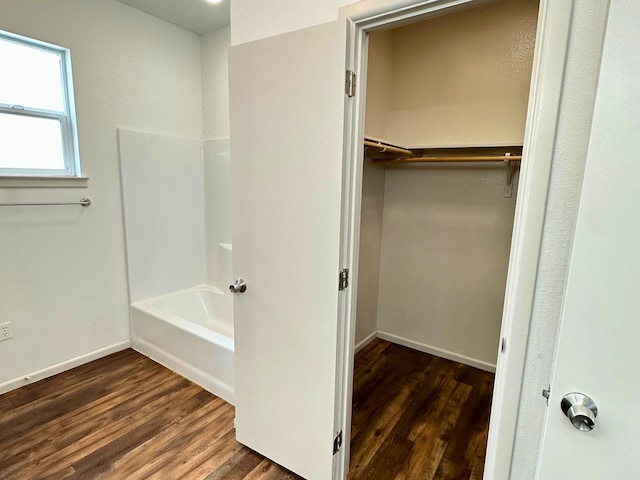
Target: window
{"points": [[37, 118]]}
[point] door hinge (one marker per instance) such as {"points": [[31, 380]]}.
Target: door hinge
{"points": [[350, 83], [337, 442], [343, 279], [546, 393]]}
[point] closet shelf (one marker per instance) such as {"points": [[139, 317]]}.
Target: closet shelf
{"points": [[384, 153], [385, 148]]}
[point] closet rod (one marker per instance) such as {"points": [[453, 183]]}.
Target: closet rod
{"points": [[387, 148], [468, 158]]}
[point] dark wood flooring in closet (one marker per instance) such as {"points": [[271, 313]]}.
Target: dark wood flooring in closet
{"points": [[416, 417]]}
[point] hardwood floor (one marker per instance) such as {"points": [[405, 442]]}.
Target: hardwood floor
{"points": [[123, 417], [416, 417]]}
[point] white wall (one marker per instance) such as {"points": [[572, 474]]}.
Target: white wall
{"points": [[380, 62], [217, 161], [163, 195], [253, 20], [446, 237], [63, 283], [379, 82], [370, 244]]}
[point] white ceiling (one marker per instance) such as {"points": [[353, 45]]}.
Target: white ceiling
{"points": [[198, 16]]}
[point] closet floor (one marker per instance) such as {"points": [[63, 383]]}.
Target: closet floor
{"points": [[123, 417], [417, 416]]}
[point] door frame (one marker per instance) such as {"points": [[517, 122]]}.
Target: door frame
{"points": [[551, 47]]}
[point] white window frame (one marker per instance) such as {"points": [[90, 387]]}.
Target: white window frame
{"points": [[67, 118]]}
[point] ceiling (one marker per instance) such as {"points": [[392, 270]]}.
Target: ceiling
{"points": [[197, 16]]}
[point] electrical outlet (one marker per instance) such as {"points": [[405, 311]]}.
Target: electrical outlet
{"points": [[5, 331]]}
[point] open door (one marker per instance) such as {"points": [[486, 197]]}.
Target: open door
{"points": [[597, 353], [287, 128]]}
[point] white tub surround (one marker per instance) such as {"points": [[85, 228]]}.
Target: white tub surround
{"points": [[191, 332]]}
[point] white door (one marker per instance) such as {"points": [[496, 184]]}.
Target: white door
{"points": [[598, 351], [286, 150]]}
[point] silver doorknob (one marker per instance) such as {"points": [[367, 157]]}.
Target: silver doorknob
{"points": [[581, 410], [239, 286]]}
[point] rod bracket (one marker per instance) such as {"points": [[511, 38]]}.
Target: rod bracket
{"points": [[511, 171]]}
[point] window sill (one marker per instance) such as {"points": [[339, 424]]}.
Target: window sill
{"points": [[43, 182]]}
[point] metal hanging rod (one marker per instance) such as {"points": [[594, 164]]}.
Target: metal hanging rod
{"points": [[85, 202]]}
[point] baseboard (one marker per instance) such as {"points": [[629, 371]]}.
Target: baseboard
{"points": [[188, 371], [438, 352], [366, 341], [62, 367]]}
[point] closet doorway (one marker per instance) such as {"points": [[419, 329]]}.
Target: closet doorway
{"points": [[444, 127]]}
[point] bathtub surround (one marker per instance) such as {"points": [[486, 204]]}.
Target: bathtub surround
{"points": [[177, 209], [217, 201], [217, 162], [215, 84], [177, 199], [177, 226], [163, 200]]}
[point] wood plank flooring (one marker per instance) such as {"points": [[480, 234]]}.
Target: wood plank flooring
{"points": [[416, 417], [123, 417]]}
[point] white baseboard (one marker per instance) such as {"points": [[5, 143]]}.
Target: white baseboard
{"points": [[62, 367], [438, 352], [366, 341], [188, 371]]}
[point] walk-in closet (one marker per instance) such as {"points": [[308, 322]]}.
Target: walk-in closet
{"points": [[446, 106]]}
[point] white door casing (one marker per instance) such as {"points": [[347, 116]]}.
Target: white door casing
{"points": [[287, 122], [597, 351]]}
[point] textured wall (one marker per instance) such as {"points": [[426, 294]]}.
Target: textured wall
{"points": [[572, 139], [463, 79], [429, 86]]}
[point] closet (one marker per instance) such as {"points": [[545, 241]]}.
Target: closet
{"points": [[446, 106]]}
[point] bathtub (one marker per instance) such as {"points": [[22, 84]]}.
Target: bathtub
{"points": [[190, 332]]}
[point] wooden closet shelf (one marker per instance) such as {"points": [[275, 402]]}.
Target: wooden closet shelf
{"points": [[386, 148], [426, 159], [381, 152]]}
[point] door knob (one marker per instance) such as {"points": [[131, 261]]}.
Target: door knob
{"points": [[239, 286], [581, 410]]}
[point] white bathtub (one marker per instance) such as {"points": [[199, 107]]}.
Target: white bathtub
{"points": [[190, 332]]}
